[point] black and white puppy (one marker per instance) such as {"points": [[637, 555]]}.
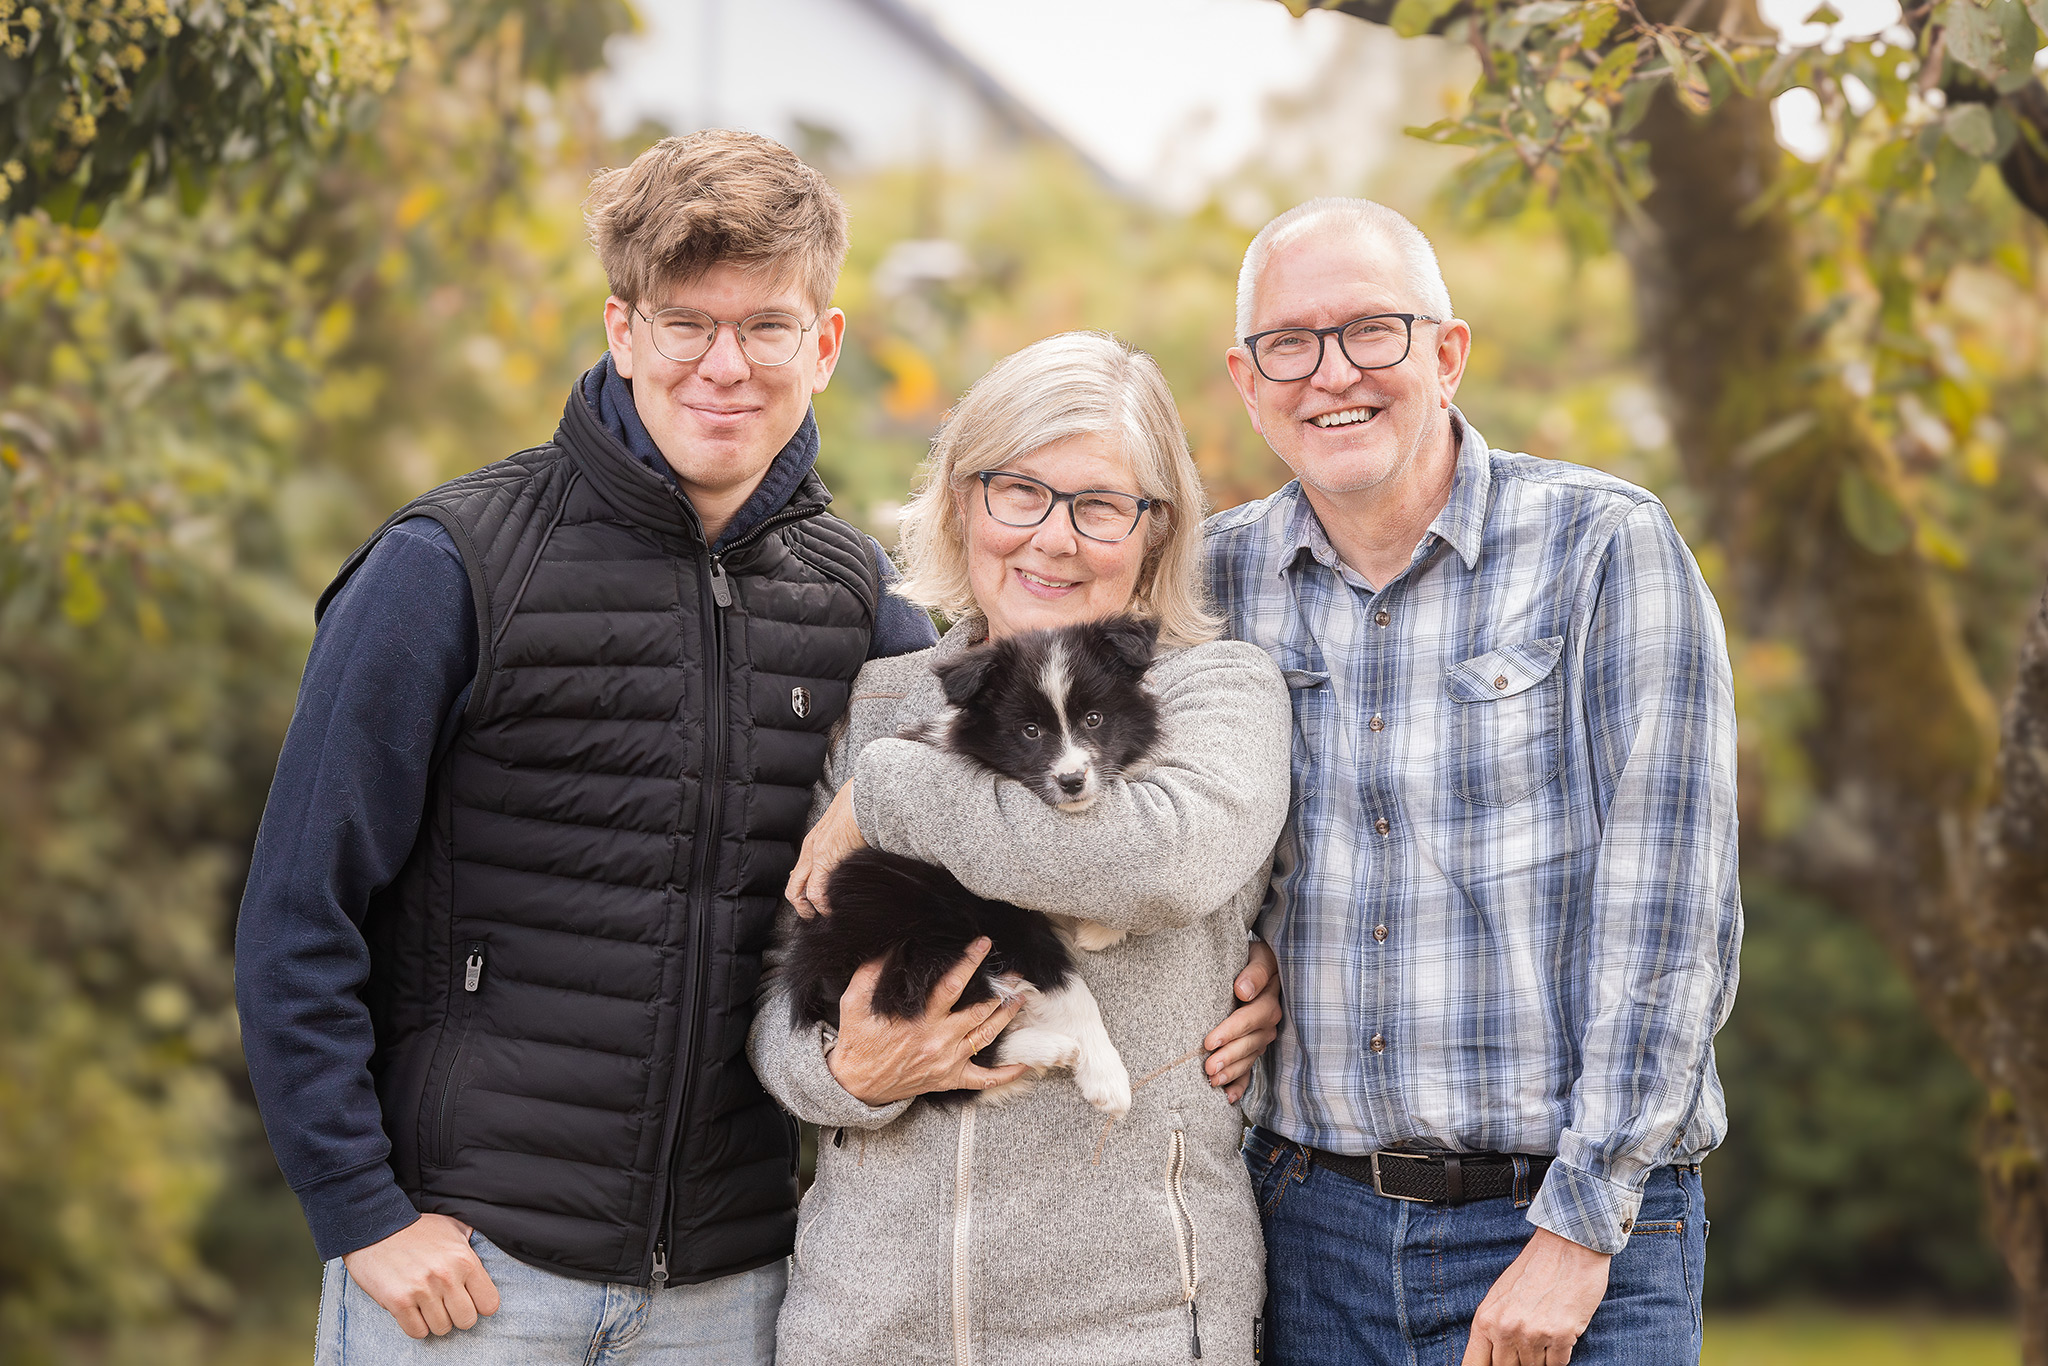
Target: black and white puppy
{"points": [[1061, 711]]}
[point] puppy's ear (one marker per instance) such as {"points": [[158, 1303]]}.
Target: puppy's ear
{"points": [[1132, 639], [964, 678]]}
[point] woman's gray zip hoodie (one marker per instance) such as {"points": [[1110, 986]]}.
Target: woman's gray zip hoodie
{"points": [[1035, 1231]]}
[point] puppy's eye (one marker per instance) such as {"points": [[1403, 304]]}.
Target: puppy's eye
{"points": [[1030, 731], [1092, 720]]}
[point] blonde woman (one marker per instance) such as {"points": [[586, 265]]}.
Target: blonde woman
{"points": [[1036, 1230]]}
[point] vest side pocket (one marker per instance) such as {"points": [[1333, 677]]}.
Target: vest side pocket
{"points": [[442, 1099]]}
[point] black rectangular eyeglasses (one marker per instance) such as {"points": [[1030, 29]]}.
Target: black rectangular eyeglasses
{"points": [[1374, 342], [1099, 514]]}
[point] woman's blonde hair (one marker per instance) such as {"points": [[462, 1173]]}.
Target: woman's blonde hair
{"points": [[1073, 384]]}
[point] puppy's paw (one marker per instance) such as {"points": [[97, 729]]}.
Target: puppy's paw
{"points": [[1090, 937], [1104, 1083]]}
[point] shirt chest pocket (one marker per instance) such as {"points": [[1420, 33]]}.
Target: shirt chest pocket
{"points": [[1505, 718]]}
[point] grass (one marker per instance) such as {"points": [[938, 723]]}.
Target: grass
{"points": [[1846, 1337]]}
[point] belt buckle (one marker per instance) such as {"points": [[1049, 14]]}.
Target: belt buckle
{"points": [[1379, 1187]]}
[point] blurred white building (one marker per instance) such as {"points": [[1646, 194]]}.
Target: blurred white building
{"points": [[864, 83], [1172, 97]]}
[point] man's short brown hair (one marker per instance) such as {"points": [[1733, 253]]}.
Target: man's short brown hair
{"points": [[689, 203]]}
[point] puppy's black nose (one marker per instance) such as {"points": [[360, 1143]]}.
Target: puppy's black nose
{"points": [[1070, 783]]}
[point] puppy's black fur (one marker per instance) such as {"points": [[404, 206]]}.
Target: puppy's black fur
{"points": [[1020, 707]]}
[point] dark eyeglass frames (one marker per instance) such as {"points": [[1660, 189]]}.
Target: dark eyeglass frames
{"points": [[1098, 514], [688, 334], [1374, 342]]}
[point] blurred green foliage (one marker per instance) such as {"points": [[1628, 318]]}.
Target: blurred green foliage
{"points": [[1849, 1170]]}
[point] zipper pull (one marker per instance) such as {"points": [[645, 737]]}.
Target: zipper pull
{"points": [[661, 1263], [839, 1138], [1195, 1326], [721, 591], [473, 970]]}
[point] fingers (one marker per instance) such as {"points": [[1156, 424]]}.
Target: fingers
{"points": [[435, 1313], [1232, 1064], [408, 1319], [1478, 1350], [993, 1021], [1260, 971], [857, 1000], [977, 1078], [947, 993], [461, 1307], [1259, 1019], [482, 1290]]}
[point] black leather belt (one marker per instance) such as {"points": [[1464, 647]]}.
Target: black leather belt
{"points": [[1435, 1178]]}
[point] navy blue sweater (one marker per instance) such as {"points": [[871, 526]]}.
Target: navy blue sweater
{"points": [[385, 685]]}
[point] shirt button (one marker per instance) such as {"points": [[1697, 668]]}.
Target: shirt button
{"points": [[1501, 684], [1379, 932], [1378, 1044], [1376, 724], [1383, 825], [1381, 617], [1628, 1225]]}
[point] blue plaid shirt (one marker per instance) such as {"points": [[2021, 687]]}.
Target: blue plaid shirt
{"points": [[1505, 905]]}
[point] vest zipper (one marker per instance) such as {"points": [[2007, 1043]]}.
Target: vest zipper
{"points": [[472, 982], [701, 891], [701, 896]]}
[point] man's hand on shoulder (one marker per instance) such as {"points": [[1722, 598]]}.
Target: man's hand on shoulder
{"points": [[426, 1276], [1536, 1311]]}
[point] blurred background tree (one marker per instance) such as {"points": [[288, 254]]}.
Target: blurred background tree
{"points": [[214, 380]]}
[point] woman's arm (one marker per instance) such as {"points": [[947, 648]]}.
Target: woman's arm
{"points": [[1159, 850]]}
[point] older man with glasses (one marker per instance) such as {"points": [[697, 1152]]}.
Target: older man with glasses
{"points": [[1506, 906]]}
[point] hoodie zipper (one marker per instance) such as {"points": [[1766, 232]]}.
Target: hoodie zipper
{"points": [[963, 1210], [719, 587], [1184, 1238], [472, 982]]}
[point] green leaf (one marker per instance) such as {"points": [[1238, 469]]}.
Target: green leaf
{"points": [[1996, 41], [1969, 127], [1597, 25], [1825, 14], [1615, 68], [1686, 81], [1413, 18], [1955, 174], [84, 598], [1635, 102], [1873, 516], [1774, 438]]}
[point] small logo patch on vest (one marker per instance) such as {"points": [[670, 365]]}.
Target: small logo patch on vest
{"points": [[800, 702]]}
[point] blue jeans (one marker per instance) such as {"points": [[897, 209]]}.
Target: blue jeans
{"points": [[1355, 1277], [546, 1318]]}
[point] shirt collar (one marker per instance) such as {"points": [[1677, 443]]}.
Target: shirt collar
{"points": [[1463, 521], [1461, 524]]}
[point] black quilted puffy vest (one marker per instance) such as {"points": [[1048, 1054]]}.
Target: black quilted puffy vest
{"points": [[564, 973]]}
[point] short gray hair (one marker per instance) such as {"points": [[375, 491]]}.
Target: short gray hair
{"points": [[1072, 384], [1422, 278]]}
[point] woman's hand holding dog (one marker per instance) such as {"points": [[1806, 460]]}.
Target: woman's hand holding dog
{"points": [[836, 835], [879, 1061]]}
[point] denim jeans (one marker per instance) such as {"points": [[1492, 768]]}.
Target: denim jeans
{"points": [[1355, 1277], [546, 1318]]}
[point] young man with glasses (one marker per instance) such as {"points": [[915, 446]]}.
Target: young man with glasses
{"points": [[550, 765], [1506, 906]]}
